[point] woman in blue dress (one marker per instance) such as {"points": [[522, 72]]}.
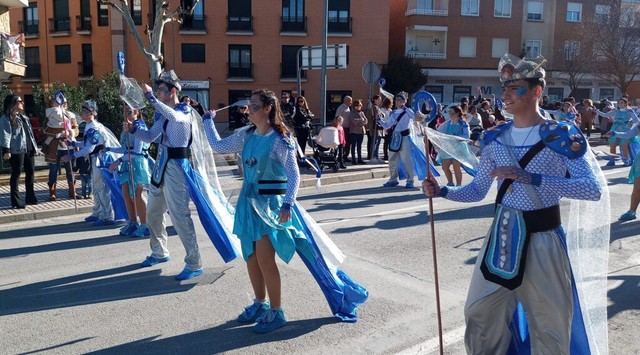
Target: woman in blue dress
{"points": [[134, 175], [623, 118], [268, 222], [455, 126]]}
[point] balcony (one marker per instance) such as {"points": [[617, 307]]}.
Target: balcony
{"points": [[32, 72], [239, 24], [293, 24], [289, 72], [83, 24], [426, 42], [436, 8], [426, 55], [195, 23], [243, 71], [340, 24], [60, 25], [29, 27], [12, 60], [85, 69]]}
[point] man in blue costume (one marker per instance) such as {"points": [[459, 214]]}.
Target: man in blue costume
{"points": [[169, 189], [523, 297]]}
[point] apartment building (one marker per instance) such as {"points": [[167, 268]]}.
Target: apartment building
{"points": [[11, 52], [224, 51], [459, 42]]}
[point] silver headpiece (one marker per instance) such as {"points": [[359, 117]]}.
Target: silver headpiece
{"points": [[512, 68]]}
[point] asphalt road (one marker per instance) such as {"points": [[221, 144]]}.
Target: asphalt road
{"points": [[66, 288]]}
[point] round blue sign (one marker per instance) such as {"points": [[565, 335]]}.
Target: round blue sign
{"points": [[425, 98]]}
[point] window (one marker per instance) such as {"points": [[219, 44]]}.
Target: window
{"points": [[555, 94], [61, 22], [32, 60], [30, 15], [533, 48], [103, 14], [535, 10], [63, 54], [499, 46], [86, 67], [574, 12], [293, 19], [602, 13], [340, 16], [136, 11], [467, 47], [459, 92], [195, 21], [607, 93], [470, 8], [193, 53], [240, 61], [83, 22], [571, 50], [436, 91], [502, 8], [239, 18], [289, 62]]}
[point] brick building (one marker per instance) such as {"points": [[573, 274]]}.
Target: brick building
{"points": [[225, 50], [459, 42]]}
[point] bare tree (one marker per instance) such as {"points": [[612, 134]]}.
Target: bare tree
{"points": [[163, 16], [616, 44], [574, 60]]}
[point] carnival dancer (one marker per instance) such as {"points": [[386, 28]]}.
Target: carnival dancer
{"points": [[268, 221], [399, 123], [623, 117], [454, 126], [61, 131], [634, 174], [174, 180], [567, 113], [527, 264], [133, 174], [107, 204]]}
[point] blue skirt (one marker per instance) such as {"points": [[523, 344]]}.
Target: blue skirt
{"points": [[141, 172]]}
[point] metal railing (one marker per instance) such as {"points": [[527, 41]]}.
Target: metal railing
{"points": [[194, 23], [59, 24], [289, 72], [240, 23], [428, 12], [29, 27], [12, 52], [426, 55], [83, 23], [340, 24], [85, 68], [33, 71], [240, 72], [293, 24]]}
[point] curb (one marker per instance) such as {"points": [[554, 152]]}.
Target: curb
{"points": [[306, 181]]}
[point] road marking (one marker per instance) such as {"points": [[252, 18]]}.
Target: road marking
{"points": [[432, 345]]}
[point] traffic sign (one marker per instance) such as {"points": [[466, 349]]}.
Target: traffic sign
{"points": [[370, 72]]}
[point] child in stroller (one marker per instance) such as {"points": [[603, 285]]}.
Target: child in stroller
{"points": [[325, 146]]}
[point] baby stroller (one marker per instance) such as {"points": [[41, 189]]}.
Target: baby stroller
{"points": [[325, 146]]}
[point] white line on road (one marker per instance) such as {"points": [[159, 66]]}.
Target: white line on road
{"points": [[431, 346]]}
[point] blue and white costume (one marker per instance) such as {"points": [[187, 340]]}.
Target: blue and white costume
{"points": [[271, 180], [562, 116], [458, 129], [623, 119], [107, 195], [136, 150], [547, 261], [174, 180]]}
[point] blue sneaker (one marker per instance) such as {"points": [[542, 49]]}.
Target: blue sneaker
{"points": [[628, 162], [129, 229], [252, 312], [409, 185], [151, 260], [611, 163], [187, 274], [270, 321], [627, 216], [390, 183], [142, 231], [104, 222], [91, 218]]}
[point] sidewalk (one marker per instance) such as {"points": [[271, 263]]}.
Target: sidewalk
{"points": [[64, 206]]}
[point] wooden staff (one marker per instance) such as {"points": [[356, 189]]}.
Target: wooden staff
{"points": [[433, 244]]}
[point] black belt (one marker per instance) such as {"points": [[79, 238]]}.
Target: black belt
{"points": [[97, 149], [178, 153], [405, 132], [542, 220]]}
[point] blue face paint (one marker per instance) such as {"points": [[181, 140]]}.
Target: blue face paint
{"points": [[521, 91]]}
